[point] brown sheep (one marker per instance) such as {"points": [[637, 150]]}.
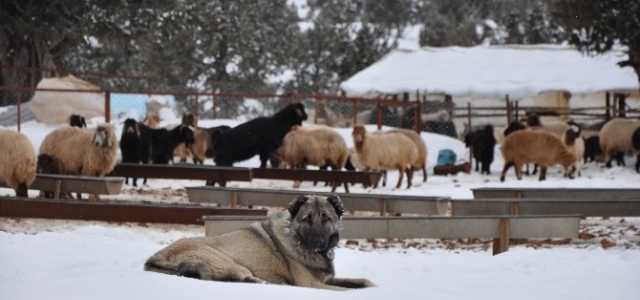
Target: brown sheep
{"points": [[48, 164], [541, 147], [385, 152], [317, 146], [152, 120], [421, 162], [17, 161]]}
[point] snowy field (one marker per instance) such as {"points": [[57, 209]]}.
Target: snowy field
{"points": [[56, 259]]}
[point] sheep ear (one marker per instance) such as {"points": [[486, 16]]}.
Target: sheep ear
{"points": [[294, 207], [137, 130]]}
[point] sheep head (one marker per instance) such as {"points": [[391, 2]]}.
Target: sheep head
{"points": [[103, 137], [359, 135], [570, 171]]}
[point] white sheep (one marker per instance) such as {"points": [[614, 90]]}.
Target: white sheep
{"points": [[17, 161], [83, 151], [533, 146], [421, 162], [391, 151], [314, 145], [615, 136], [574, 140]]}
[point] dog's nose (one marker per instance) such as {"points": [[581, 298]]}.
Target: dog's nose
{"points": [[317, 243]]}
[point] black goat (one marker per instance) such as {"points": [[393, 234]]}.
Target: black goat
{"points": [[482, 143], [77, 121], [135, 145], [592, 150], [260, 136]]}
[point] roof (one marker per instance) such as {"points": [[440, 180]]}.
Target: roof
{"points": [[519, 71]]}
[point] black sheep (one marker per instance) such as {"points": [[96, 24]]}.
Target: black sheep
{"points": [[260, 136], [635, 140], [164, 141], [482, 143], [135, 145], [592, 150], [77, 121]]}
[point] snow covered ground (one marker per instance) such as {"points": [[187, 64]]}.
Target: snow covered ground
{"points": [[57, 259]]}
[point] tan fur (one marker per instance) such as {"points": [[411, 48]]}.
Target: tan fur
{"points": [[17, 161], [319, 146], [283, 249], [152, 120], [391, 151], [533, 146], [75, 148], [575, 143], [615, 136], [421, 161]]}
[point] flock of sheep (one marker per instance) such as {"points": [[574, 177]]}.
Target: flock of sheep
{"points": [[282, 141], [554, 142]]}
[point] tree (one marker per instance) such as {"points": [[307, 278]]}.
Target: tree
{"points": [[600, 26]]}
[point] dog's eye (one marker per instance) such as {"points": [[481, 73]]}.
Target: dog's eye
{"points": [[307, 219], [325, 218]]}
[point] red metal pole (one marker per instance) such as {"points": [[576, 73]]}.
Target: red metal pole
{"points": [[19, 109], [107, 107]]}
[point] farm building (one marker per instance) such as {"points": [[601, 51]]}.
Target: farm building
{"points": [[532, 75]]}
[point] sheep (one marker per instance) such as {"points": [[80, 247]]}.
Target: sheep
{"points": [[556, 127], [164, 142], [573, 139], [202, 147], [83, 151], [135, 145], [317, 146], [616, 136], [17, 161], [260, 136], [421, 161], [541, 147], [482, 143], [635, 140], [385, 152], [77, 121]]}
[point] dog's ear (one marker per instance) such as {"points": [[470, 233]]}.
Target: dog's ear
{"points": [[296, 204], [337, 204]]}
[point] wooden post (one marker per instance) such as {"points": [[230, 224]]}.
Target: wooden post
{"points": [[197, 109], [517, 109], [383, 207], [107, 107], [501, 244], [509, 119], [607, 100], [234, 199], [379, 115], [417, 115], [213, 107], [470, 130], [355, 112], [622, 105]]}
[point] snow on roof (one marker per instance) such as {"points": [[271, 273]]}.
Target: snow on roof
{"points": [[519, 71]]}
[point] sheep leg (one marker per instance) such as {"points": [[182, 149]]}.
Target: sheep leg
{"points": [[424, 173], [401, 170], [21, 190], [638, 163], [505, 169], [543, 173], [409, 171]]}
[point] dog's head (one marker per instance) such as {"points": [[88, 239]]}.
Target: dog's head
{"points": [[316, 221]]}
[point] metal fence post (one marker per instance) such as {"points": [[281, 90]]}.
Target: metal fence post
{"points": [[107, 107]]}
